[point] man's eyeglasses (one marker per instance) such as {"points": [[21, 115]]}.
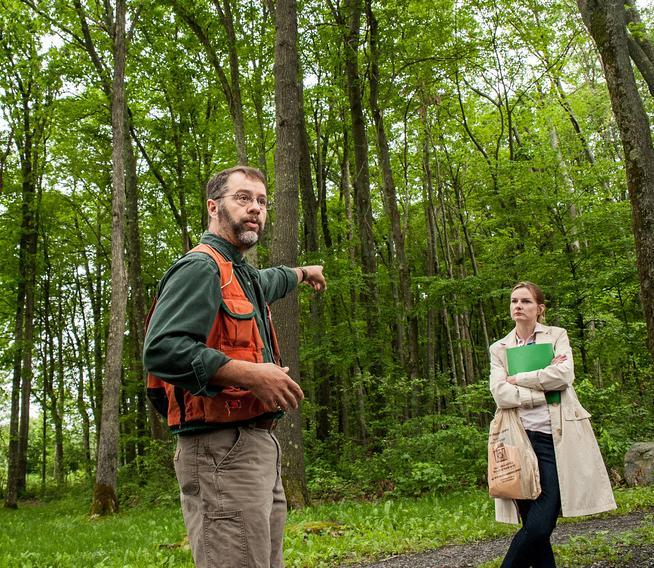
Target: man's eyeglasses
{"points": [[245, 200]]}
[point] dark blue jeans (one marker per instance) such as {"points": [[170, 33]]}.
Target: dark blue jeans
{"points": [[531, 544]]}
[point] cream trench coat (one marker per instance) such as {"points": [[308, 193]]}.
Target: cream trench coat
{"points": [[584, 483]]}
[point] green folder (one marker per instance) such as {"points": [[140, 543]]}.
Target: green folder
{"points": [[531, 358]]}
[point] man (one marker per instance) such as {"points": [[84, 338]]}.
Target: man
{"points": [[213, 360]]}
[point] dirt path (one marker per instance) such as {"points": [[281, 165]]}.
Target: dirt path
{"points": [[474, 554]]}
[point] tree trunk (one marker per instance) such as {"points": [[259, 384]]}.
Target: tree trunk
{"points": [[361, 173], [59, 400], [27, 141], [236, 104], [105, 500], [231, 91], [321, 182], [404, 308], [347, 382], [94, 291], [55, 397], [11, 496], [641, 49], [134, 265], [433, 265], [606, 21], [82, 359], [285, 238], [320, 374]]}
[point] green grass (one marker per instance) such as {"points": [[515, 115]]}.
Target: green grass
{"points": [[583, 551], [61, 534], [373, 530]]}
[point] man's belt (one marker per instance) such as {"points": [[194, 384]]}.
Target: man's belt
{"points": [[264, 423]]}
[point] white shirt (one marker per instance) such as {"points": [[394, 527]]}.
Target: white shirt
{"points": [[538, 417]]}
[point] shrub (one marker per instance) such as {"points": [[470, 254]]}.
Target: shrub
{"points": [[431, 453], [151, 477]]}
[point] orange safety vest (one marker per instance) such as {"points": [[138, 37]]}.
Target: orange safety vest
{"points": [[235, 333]]}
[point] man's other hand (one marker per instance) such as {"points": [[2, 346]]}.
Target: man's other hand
{"points": [[313, 276], [270, 383]]}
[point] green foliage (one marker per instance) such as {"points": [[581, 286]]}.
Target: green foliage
{"points": [[434, 453], [420, 456], [617, 423], [150, 478]]}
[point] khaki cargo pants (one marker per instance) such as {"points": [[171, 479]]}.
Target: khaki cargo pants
{"points": [[232, 497]]}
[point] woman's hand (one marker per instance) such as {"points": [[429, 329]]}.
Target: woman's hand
{"points": [[512, 380]]}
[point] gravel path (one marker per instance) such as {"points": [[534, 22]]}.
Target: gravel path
{"points": [[475, 553]]}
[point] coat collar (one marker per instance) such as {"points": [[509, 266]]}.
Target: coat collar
{"points": [[541, 331], [227, 249]]}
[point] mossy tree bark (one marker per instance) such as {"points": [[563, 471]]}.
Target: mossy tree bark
{"points": [[606, 21]]}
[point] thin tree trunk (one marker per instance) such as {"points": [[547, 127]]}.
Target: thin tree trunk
{"points": [[224, 9], [105, 499], [641, 49], [433, 265], [94, 291], [59, 399], [23, 324], [11, 495], [231, 91], [321, 374], [309, 202], [56, 404], [434, 241], [83, 360], [361, 180], [404, 308], [458, 365], [134, 264], [321, 182], [285, 238]]}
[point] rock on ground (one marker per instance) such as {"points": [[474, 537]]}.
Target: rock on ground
{"points": [[639, 464]]}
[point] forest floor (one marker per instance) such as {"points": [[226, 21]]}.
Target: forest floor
{"points": [[621, 552]]}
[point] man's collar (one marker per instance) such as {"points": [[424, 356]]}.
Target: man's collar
{"points": [[227, 249]]}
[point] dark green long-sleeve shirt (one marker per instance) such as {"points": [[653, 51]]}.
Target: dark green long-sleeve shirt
{"points": [[188, 300]]}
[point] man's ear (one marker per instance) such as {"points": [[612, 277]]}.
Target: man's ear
{"points": [[212, 208]]}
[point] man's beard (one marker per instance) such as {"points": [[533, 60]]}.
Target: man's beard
{"points": [[244, 235]]}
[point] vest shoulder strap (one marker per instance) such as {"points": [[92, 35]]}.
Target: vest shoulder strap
{"points": [[225, 267]]}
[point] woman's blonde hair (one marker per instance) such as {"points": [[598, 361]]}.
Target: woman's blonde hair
{"points": [[536, 292]]}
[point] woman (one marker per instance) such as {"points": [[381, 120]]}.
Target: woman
{"points": [[572, 474]]}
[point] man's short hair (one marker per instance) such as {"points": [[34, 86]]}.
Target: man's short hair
{"points": [[218, 184]]}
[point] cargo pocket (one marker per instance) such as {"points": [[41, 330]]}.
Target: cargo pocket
{"points": [[225, 541]]}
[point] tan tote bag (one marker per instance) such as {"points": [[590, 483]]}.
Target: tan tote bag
{"points": [[512, 464]]}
